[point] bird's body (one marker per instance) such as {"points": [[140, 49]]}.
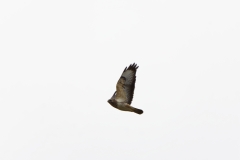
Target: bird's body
{"points": [[122, 98]]}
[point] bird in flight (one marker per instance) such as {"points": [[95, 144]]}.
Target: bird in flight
{"points": [[122, 98]]}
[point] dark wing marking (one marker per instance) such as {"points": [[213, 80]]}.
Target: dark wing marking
{"points": [[121, 95]]}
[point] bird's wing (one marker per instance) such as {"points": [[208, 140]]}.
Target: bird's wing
{"points": [[126, 84]]}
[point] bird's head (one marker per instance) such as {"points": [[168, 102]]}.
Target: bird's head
{"points": [[110, 101]]}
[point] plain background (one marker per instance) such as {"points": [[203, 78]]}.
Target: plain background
{"points": [[60, 62]]}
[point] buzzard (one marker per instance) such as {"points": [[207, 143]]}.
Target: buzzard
{"points": [[122, 98]]}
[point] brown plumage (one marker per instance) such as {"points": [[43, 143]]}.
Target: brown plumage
{"points": [[122, 98]]}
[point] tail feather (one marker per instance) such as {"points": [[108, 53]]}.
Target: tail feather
{"points": [[138, 111]]}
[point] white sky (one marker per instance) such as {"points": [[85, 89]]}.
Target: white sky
{"points": [[60, 61]]}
